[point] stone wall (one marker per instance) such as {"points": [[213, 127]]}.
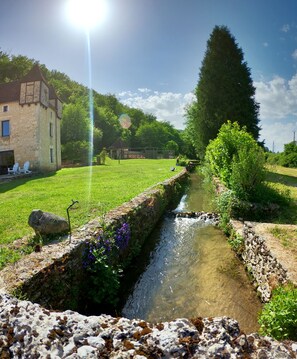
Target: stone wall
{"points": [[265, 270], [30, 135], [53, 277], [29, 331]]}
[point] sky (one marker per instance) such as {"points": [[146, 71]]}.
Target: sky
{"points": [[148, 53]]}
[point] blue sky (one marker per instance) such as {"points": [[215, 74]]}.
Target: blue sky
{"points": [[149, 52]]}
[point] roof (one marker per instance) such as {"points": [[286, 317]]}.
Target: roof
{"points": [[34, 74], [119, 143], [10, 91]]}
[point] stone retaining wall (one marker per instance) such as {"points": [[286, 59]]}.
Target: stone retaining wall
{"points": [[264, 268], [53, 276], [29, 331]]}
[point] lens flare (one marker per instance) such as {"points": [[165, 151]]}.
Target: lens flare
{"points": [[125, 121], [86, 13]]}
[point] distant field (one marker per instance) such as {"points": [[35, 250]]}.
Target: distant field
{"points": [[104, 188], [285, 180]]}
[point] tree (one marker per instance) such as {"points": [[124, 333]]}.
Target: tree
{"points": [[75, 124], [224, 92]]}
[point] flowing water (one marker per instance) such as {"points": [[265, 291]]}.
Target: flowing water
{"points": [[192, 271]]}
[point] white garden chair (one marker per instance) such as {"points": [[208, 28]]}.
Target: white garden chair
{"points": [[25, 168], [14, 170]]}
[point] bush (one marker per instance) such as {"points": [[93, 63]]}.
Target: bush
{"points": [[101, 261], [278, 318], [289, 156], [76, 151], [236, 159], [273, 158], [181, 160]]}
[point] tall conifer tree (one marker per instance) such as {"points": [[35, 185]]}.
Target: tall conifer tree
{"points": [[224, 91]]}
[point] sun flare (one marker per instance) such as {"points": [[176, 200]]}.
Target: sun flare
{"points": [[86, 13]]}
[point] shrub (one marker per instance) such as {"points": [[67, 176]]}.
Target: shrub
{"points": [[181, 160], [225, 203], [289, 157], [76, 151], [101, 261], [278, 318], [236, 159]]}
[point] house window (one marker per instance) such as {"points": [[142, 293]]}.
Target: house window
{"points": [[51, 155], [51, 129], [5, 108], [5, 128]]}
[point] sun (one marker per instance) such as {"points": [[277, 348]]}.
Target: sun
{"points": [[86, 13]]}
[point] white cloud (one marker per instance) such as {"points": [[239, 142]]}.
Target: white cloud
{"points": [[278, 110], [294, 54], [276, 134], [285, 28], [277, 97], [166, 106], [144, 90]]}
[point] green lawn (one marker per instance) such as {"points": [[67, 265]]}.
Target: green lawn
{"points": [[97, 188], [285, 181]]}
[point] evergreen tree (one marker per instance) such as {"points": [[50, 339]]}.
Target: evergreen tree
{"points": [[224, 92]]}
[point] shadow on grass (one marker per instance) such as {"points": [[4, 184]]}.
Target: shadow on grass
{"points": [[290, 181], [269, 205], [10, 184]]}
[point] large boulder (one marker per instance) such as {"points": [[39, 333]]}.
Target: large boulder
{"points": [[47, 223]]}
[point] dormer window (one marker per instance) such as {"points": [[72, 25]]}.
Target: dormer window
{"points": [[5, 108]]}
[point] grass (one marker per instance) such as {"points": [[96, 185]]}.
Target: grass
{"points": [[283, 181], [287, 237], [98, 189]]}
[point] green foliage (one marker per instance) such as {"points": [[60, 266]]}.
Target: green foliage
{"points": [[237, 160], [8, 255], [107, 109], [182, 161], [273, 158], [75, 124], [172, 146], [224, 92], [102, 263], [278, 318], [225, 204], [289, 157], [236, 242], [76, 151], [102, 156]]}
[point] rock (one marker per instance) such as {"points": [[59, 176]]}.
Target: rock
{"points": [[45, 223]]}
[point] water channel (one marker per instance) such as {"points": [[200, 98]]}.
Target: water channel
{"points": [[190, 270]]}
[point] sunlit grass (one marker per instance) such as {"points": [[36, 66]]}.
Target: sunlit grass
{"points": [[284, 180], [287, 237], [111, 185]]}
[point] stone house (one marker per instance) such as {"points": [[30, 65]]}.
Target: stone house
{"points": [[30, 115]]}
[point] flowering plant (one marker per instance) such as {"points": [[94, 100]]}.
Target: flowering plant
{"points": [[101, 260]]}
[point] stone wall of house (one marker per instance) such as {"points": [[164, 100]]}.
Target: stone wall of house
{"points": [[23, 133], [49, 139], [53, 277], [266, 271], [30, 135]]}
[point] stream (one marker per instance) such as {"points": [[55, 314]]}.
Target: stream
{"points": [[189, 270]]}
